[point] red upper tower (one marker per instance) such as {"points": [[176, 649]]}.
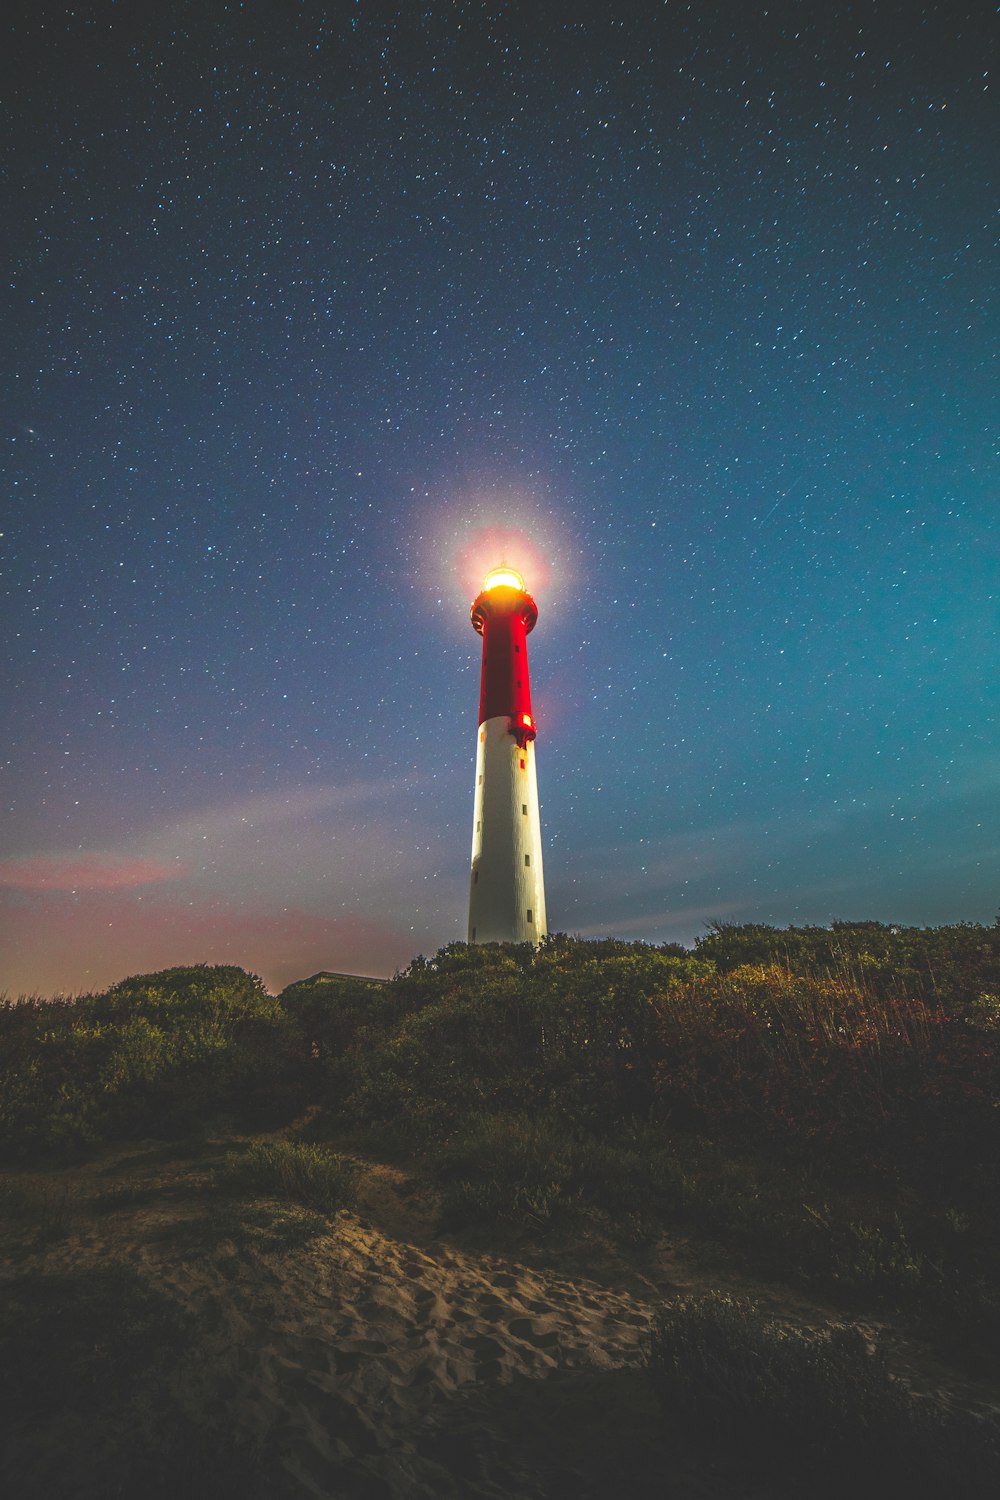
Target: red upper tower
{"points": [[504, 614]]}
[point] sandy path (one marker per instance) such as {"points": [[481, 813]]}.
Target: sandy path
{"points": [[347, 1359]]}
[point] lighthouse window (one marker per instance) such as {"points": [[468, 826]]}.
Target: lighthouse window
{"points": [[530, 917], [478, 826], [524, 809], [475, 877], [522, 765], [480, 781], [527, 859]]}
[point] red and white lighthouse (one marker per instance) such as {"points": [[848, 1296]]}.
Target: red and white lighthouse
{"points": [[506, 889]]}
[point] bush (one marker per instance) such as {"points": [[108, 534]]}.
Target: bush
{"points": [[330, 1010], [535, 1172], [817, 1409], [827, 1067], [944, 965], [505, 1029], [158, 1054]]}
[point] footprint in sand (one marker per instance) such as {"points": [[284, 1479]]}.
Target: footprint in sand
{"points": [[412, 1269], [483, 1348], [525, 1330], [492, 1309]]}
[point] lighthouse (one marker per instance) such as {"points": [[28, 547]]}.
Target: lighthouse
{"points": [[506, 889]]}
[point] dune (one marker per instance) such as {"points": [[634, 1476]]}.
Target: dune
{"points": [[364, 1356], [339, 1360]]}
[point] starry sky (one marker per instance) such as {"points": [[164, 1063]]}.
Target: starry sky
{"points": [[312, 310]]}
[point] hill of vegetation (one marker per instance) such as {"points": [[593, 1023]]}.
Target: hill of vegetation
{"points": [[816, 1108]]}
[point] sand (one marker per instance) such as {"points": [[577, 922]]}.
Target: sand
{"points": [[351, 1354], [345, 1359], [342, 1358], [370, 1337]]}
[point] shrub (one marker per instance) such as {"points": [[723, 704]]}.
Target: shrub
{"points": [[826, 1066], [330, 1010], [155, 1055], [818, 1409], [944, 965], [536, 1171], [507, 1169], [511, 1030]]}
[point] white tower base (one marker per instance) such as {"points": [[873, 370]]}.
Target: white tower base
{"points": [[507, 891]]}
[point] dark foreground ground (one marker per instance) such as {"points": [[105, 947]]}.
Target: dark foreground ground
{"points": [[168, 1332]]}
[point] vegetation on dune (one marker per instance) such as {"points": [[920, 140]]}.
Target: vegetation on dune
{"points": [[941, 964], [809, 1105], [827, 1115], [822, 1105], [159, 1054], [821, 1127], [817, 1411]]}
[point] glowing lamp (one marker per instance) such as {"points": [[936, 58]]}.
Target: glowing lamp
{"points": [[503, 577]]}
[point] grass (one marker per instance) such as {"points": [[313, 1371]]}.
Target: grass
{"points": [[293, 1172], [815, 1409], [507, 1169], [536, 1174], [37, 1213]]}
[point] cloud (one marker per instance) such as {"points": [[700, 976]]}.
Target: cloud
{"points": [[264, 836], [326, 848], [356, 877], [291, 805], [86, 872]]}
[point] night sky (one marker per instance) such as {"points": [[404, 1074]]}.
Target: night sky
{"points": [[313, 311]]}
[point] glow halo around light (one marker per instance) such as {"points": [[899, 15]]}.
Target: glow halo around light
{"points": [[475, 528], [485, 551]]}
